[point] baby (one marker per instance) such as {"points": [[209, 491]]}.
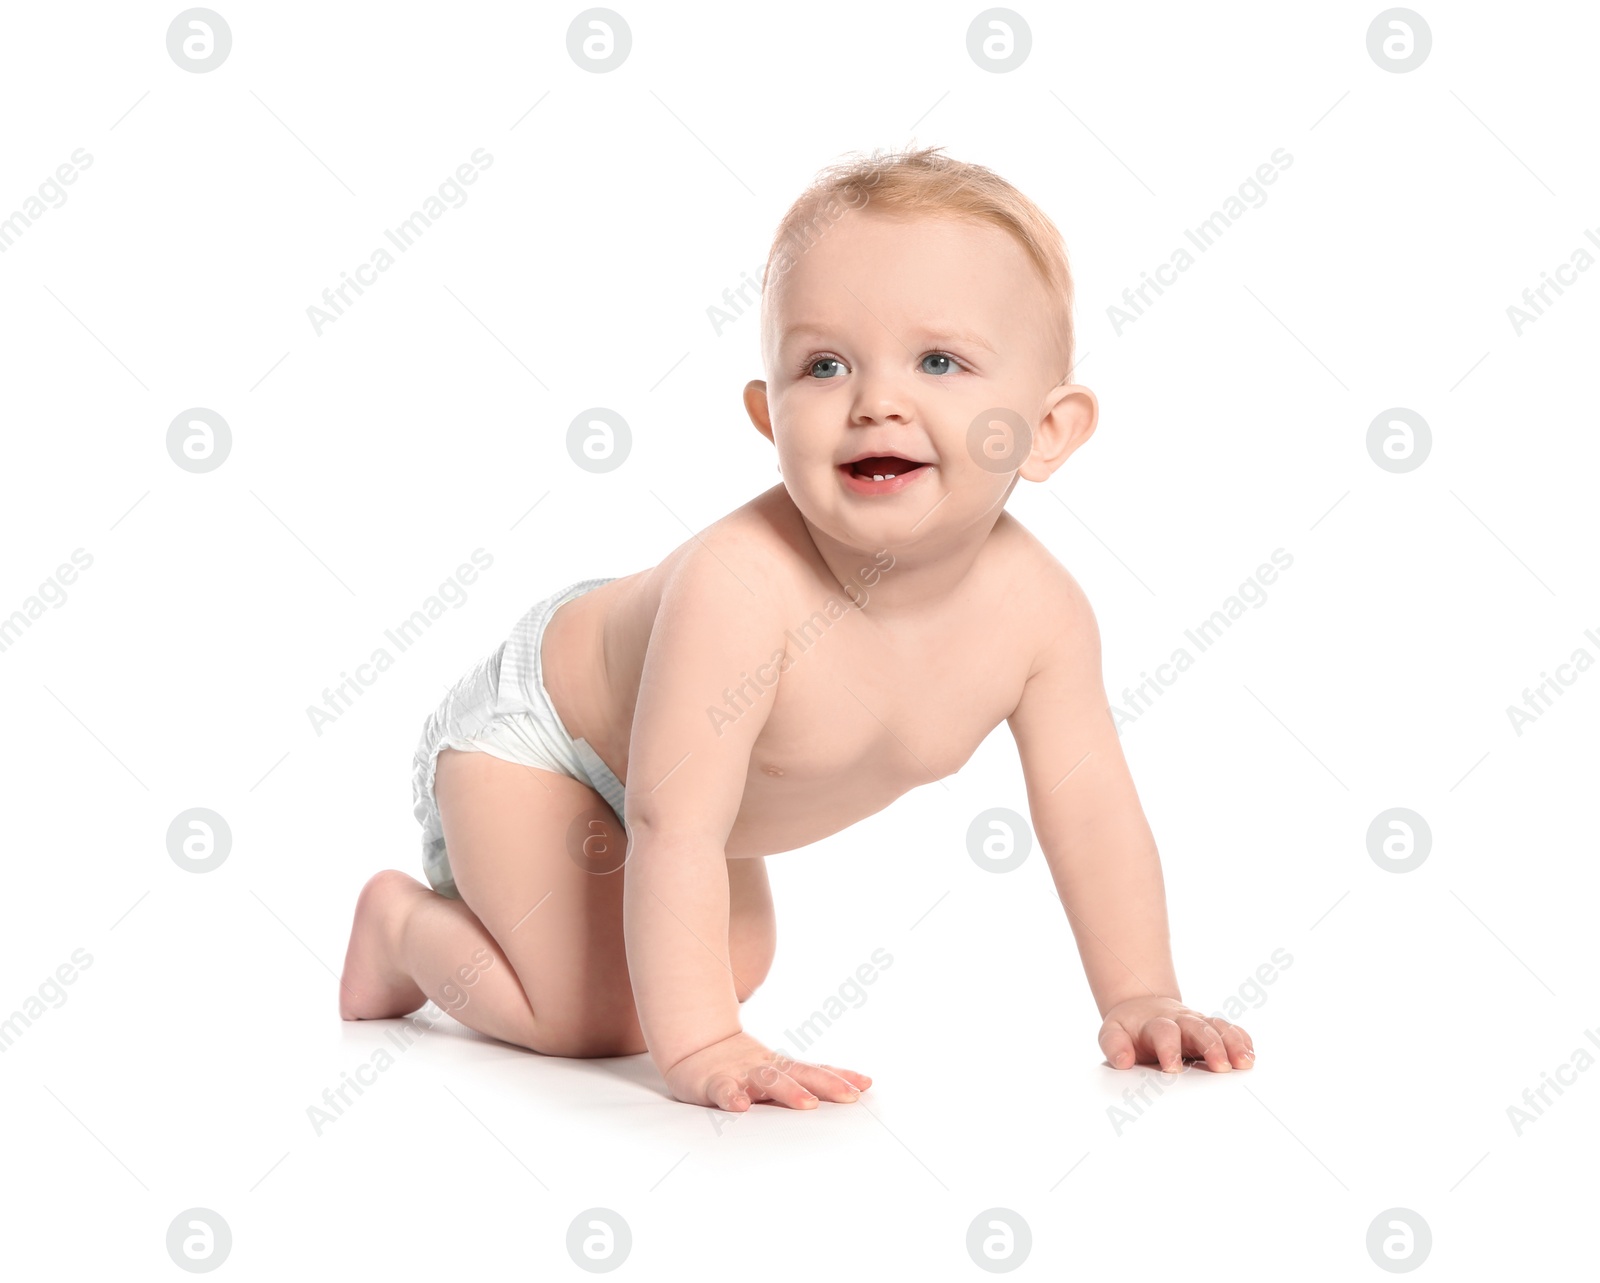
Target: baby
{"points": [[598, 796]]}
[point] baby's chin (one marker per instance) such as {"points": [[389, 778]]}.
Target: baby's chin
{"points": [[873, 521]]}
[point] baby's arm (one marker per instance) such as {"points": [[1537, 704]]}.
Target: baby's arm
{"points": [[1101, 853], [719, 619]]}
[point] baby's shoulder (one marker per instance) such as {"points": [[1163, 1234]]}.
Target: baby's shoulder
{"points": [[1034, 578], [754, 554], [1047, 614]]}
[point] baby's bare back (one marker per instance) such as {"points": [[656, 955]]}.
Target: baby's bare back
{"points": [[863, 706]]}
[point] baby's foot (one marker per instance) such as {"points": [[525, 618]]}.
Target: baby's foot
{"points": [[373, 987]]}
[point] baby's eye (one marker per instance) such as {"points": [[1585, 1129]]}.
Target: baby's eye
{"points": [[825, 360], [938, 356]]}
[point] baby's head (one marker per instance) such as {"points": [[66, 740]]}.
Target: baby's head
{"points": [[919, 307]]}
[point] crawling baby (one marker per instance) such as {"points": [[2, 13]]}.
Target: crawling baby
{"points": [[598, 796]]}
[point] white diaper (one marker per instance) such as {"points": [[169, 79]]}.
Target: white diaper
{"points": [[502, 708]]}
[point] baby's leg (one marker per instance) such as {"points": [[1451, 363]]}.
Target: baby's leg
{"points": [[510, 830], [540, 937], [556, 976], [410, 944]]}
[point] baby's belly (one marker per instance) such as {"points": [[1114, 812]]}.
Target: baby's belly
{"points": [[783, 815]]}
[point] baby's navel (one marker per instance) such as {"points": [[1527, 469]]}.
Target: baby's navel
{"points": [[771, 770]]}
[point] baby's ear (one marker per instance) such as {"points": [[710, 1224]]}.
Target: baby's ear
{"points": [[755, 404], [1070, 414]]}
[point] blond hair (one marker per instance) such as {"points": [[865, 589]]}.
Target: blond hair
{"points": [[921, 181]]}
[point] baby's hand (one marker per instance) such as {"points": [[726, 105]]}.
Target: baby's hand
{"points": [[737, 1071], [1163, 1031]]}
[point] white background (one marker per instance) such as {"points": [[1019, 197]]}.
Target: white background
{"points": [[367, 463]]}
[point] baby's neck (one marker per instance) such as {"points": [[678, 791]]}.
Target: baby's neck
{"points": [[906, 580]]}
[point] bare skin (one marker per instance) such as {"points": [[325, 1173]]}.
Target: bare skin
{"points": [[792, 669]]}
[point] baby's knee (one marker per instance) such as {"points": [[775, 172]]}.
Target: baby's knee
{"points": [[387, 901]]}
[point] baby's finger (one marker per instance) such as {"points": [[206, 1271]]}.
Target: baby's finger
{"points": [[823, 1082], [1117, 1045], [725, 1092], [862, 1081], [1165, 1040], [1240, 1049], [1202, 1041], [767, 1082]]}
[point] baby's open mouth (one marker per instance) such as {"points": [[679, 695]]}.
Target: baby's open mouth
{"points": [[882, 465]]}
